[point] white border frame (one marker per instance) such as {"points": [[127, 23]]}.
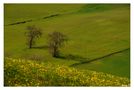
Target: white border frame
{"points": [[64, 1], [67, 1]]}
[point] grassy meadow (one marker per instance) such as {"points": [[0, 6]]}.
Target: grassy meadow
{"points": [[98, 41]]}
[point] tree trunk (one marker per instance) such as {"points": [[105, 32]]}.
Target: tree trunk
{"points": [[55, 52], [31, 43]]}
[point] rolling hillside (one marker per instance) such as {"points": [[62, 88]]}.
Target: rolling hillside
{"points": [[99, 35]]}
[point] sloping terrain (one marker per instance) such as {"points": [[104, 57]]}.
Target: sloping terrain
{"points": [[93, 30], [23, 12], [18, 72], [116, 64]]}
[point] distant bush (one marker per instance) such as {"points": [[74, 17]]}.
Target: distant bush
{"points": [[7, 54], [18, 72], [36, 57]]}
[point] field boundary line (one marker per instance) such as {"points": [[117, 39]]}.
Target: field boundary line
{"points": [[31, 20], [96, 59]]}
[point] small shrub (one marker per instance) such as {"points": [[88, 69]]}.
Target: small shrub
{"points": [[36, 57], [7, 54]]}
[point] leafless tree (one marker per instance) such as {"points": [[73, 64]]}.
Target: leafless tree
{"points": [[32, 34], [56, 41]]}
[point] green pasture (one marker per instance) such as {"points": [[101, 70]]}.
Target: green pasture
{"points": [[93, 31]]}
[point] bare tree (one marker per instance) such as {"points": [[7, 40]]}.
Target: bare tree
{"points": [[56, 40], [32, 34]]}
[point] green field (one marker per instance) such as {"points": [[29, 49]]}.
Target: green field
{"points": [[94, 31]]}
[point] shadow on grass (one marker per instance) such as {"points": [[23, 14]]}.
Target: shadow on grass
{"points": [[73, 57], [40, 47]]}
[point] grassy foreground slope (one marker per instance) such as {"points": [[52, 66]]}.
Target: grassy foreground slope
{"points": [[18, 72]]}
